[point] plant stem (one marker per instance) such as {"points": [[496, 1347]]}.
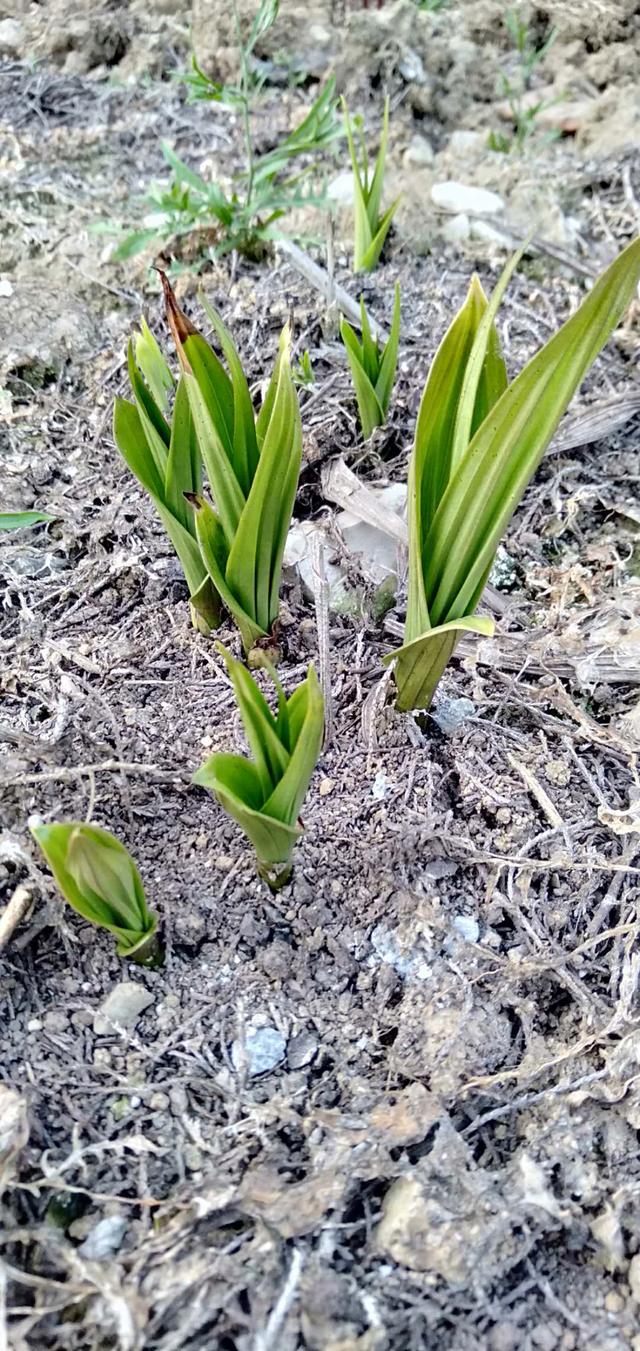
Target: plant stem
{"points": [[246, 123]]}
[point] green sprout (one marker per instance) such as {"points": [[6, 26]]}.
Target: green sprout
{"points": [[370, 227], [99, 879], [252, 465], [372, 369], [264, 794], [165, 458], [478, 443], [303, 370]]}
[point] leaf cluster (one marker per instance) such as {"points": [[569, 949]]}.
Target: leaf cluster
{"points": [[373, 368], [100, 881], [371, 225], [478, 442], [264, 794]]}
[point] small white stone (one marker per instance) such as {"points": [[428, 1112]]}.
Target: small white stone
{"points": [[121, 1008], [262, 1049], [6, 289], [105, 1239], [457, 229], [11, 37], [467, 927], [481, 229], [462, 197], [449, 714], [419, 153]]}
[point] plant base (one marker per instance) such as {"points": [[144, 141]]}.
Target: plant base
{"points": [[275, 875], [419, 665], [148, 952]]}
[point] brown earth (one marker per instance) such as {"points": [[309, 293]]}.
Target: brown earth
{"points": [[439, 1148]]}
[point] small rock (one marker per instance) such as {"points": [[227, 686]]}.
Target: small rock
{"points": [[468, 143], [411, 68], [462, 197], [406, 961], [482, 230], [301, 1050], [457, 229], [467, 927], [262, 1049], [105, 1239], [326, 786], [121, 1008], [340, 189], [12, 37], [504, 1337], [613, 1302], [418, 153], [633, 1277], [449, 714], [504, 572]]}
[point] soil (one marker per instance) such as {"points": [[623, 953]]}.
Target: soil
{"points": [[440, 1148]]}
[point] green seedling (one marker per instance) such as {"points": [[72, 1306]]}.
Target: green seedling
{"points": [[252, 465], [18, 520], [524, 114], [303, 370], [264, 794], [165, 459], [243, 214], [478, 443], [99, 879], [373, 368], [370, 227]]}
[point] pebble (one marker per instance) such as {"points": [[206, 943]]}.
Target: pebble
{"points": [[504, 1337], [482, 230], [467, 927], [159, 1102], [301, 1050], [419, 153], [457, 229], [450, 714], [634, 1277], [456, 197], [122, 1006], [262, 1049], [12, 37], [105, 1239], [613, 1302], [463, 142]]}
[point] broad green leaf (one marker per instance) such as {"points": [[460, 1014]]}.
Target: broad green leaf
{"points": [[255, 557], [369, 351], [288, 795], [238, 775], [134, 448], [419, 664], [507, 448], [214, 553], [270, 757], [183, 473], [377, 182], [99, 879], [227, 493], [154, 425], [389, 362], [16, 520], [485, 375], [370, 256], [245, 445], [369, 408], [272, 840], [153, 366]]}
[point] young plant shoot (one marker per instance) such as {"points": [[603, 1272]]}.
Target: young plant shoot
{"points": [[252, 465], [373, 369], [478, 443], [166, 461], [100, 881], [370, 227], [265, 794], [19, 520]]}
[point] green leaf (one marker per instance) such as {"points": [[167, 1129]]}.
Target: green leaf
{"points": [[183, 473], [291, 789], [507, 448], [368, 259], [389, 362], [153, 366], [245, 444], [99, 879], [270, 757], [16, 520], [272, 840], [369, 408], [214, 552], [419, 664]]}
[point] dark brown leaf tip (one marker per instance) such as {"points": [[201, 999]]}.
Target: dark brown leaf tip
{"points": [[180, 326]]}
